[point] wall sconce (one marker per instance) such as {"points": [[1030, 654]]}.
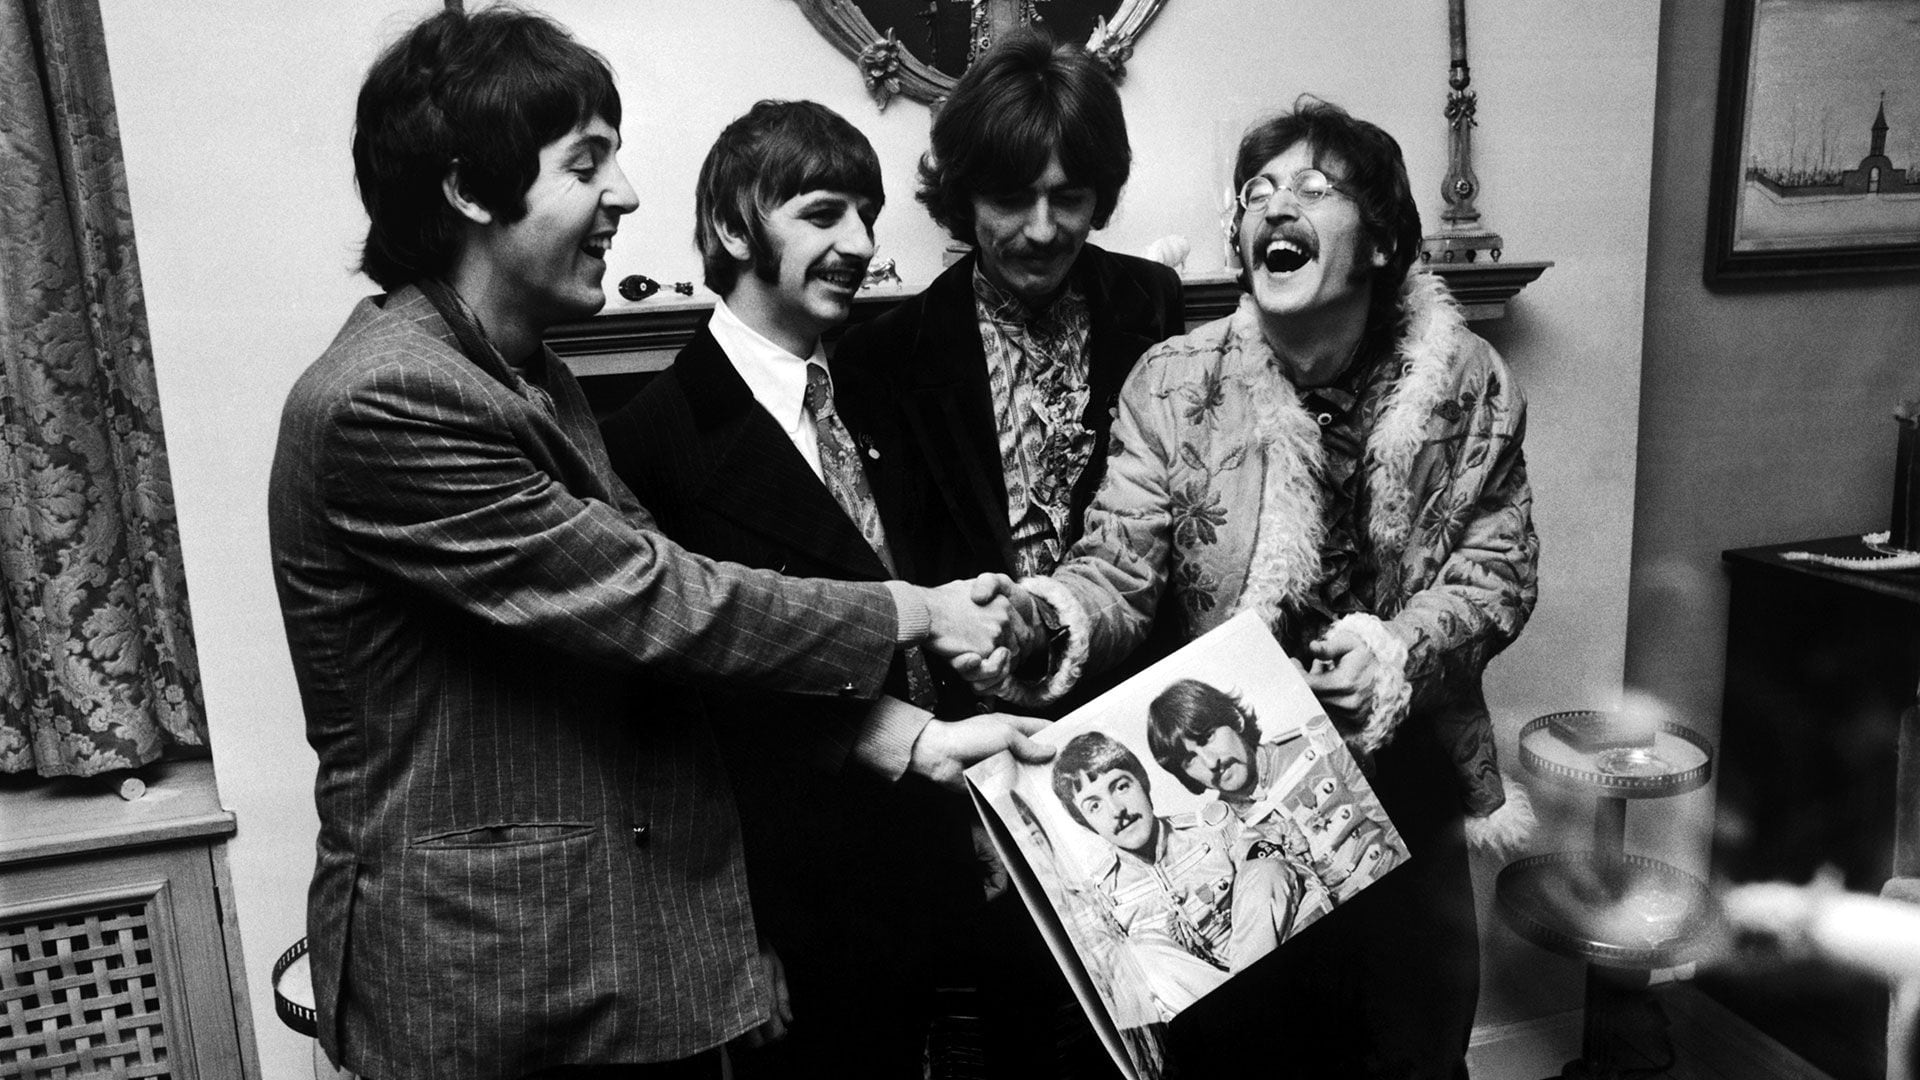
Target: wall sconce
{"points": [[1461, 236], [1483, 287]]}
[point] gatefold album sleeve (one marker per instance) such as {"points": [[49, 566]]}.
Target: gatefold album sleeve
{"points": [[1196, 817]]}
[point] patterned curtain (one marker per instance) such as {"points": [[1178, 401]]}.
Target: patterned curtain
{"points": [[97, 666]]}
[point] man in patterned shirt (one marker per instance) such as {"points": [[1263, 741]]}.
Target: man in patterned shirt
{"points": [[984, 402], [986, 399]]}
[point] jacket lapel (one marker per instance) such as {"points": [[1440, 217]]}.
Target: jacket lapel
{"points": [[949, 408], [757, 479]]}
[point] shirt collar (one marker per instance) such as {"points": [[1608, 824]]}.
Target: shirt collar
{"points": [[776, 377], [1008, 309]]}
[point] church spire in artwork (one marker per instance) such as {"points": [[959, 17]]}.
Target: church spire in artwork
{"points": [[1880, 129]]}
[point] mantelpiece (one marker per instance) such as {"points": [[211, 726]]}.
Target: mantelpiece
{"points": [[643, 338]]}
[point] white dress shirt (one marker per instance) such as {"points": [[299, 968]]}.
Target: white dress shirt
{"points": [[778, 381]]}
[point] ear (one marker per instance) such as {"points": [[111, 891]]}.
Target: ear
{"points": [[734, 243], [1380, 258], [457, 197]]}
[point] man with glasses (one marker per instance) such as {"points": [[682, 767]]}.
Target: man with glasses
{"points": [[1342, 455]]}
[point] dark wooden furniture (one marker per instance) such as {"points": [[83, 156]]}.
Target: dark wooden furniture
{"points": [[1817, 757], [1821, 667]]}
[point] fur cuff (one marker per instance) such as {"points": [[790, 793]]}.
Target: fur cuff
{"points": [[1068, 657], [1391, 692], [1505, 831]]}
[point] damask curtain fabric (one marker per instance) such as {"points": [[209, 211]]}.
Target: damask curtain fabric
{"points": [[97, 666]]}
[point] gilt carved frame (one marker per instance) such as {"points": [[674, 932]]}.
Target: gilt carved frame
{"points": [[890, 70]]}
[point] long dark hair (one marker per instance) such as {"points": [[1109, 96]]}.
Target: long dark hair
{"points": [[1020, 103]]}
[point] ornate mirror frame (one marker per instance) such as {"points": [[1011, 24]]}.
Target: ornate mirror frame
{"points": [[890, 69]]}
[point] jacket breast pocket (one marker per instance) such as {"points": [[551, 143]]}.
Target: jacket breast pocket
{"points": [[516, 834]]}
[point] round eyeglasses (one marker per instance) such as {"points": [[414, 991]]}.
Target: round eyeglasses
{"points": [[1309, 187]]}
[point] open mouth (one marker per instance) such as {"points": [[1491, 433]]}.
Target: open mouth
{"points": [[1285, 256], [597, 246], [847, 278]]}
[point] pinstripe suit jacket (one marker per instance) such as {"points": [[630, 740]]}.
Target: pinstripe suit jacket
{"points": [[528, 855]]}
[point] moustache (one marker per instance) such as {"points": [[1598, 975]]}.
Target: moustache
{"points": [[1286, 260], [1034, 252]]}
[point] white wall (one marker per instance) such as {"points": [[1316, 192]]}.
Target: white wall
{"points": [[236, 117], [1768, 410]]}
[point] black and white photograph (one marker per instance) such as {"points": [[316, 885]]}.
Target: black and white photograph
{"points": [[1196, 818], [530, 531]]}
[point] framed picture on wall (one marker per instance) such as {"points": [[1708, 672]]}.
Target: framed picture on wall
{"points": [[1816, 163]]}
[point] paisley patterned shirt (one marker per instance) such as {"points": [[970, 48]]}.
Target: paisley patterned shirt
{"points": [[1037, 372], [1343, 409]]}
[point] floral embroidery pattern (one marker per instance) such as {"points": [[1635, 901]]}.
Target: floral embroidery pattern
{"points": [[1197, 516], [1204, 400], [1197, 590], [97, 665]]}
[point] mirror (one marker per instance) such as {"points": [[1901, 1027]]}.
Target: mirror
{"points": [[922, 47]]}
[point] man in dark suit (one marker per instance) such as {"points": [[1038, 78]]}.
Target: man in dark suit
{"points": [[987, 398], [528, 856], [855, 869]]}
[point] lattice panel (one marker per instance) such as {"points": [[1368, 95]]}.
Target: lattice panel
{"points": [[80, 998]]}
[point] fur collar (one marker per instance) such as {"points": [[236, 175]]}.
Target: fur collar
{"points": [[1286, 554]]}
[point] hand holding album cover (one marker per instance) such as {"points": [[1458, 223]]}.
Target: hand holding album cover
{"points": [[1197, 817]]}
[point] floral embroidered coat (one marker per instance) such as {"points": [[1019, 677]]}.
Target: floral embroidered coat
{"points": [[1210, 490]]}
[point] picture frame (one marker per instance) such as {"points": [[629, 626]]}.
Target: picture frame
{"points": [[1816, 157], [918, 49]]}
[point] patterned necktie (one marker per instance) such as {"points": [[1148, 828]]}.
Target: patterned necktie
{"points": [[847, 482]]}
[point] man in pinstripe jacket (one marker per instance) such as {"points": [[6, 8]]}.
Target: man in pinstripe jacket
{"points": [[528, 858]]}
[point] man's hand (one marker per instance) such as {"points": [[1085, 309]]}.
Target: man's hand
{"points": [[1029, 635], [972, 616], [987, 678], [946, 747], [773, 1028], [1342, 678]]}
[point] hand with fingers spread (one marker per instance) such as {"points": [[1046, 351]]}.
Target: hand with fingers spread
{"points": [[946, 747]]}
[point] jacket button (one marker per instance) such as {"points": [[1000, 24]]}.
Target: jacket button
{"points": [[847, 688], [641, 834]]}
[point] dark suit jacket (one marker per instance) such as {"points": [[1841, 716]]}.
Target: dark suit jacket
{"points": [[528, 855], [846, 867], [912, 383]]}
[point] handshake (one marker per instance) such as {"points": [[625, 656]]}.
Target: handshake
{"points": [[984, 626]]}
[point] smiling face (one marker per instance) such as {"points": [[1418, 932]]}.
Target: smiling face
{"points": [[1028, 238], [821, 242], [548, 266], [1115, 804], [1306, 260], [1223, 762]]}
